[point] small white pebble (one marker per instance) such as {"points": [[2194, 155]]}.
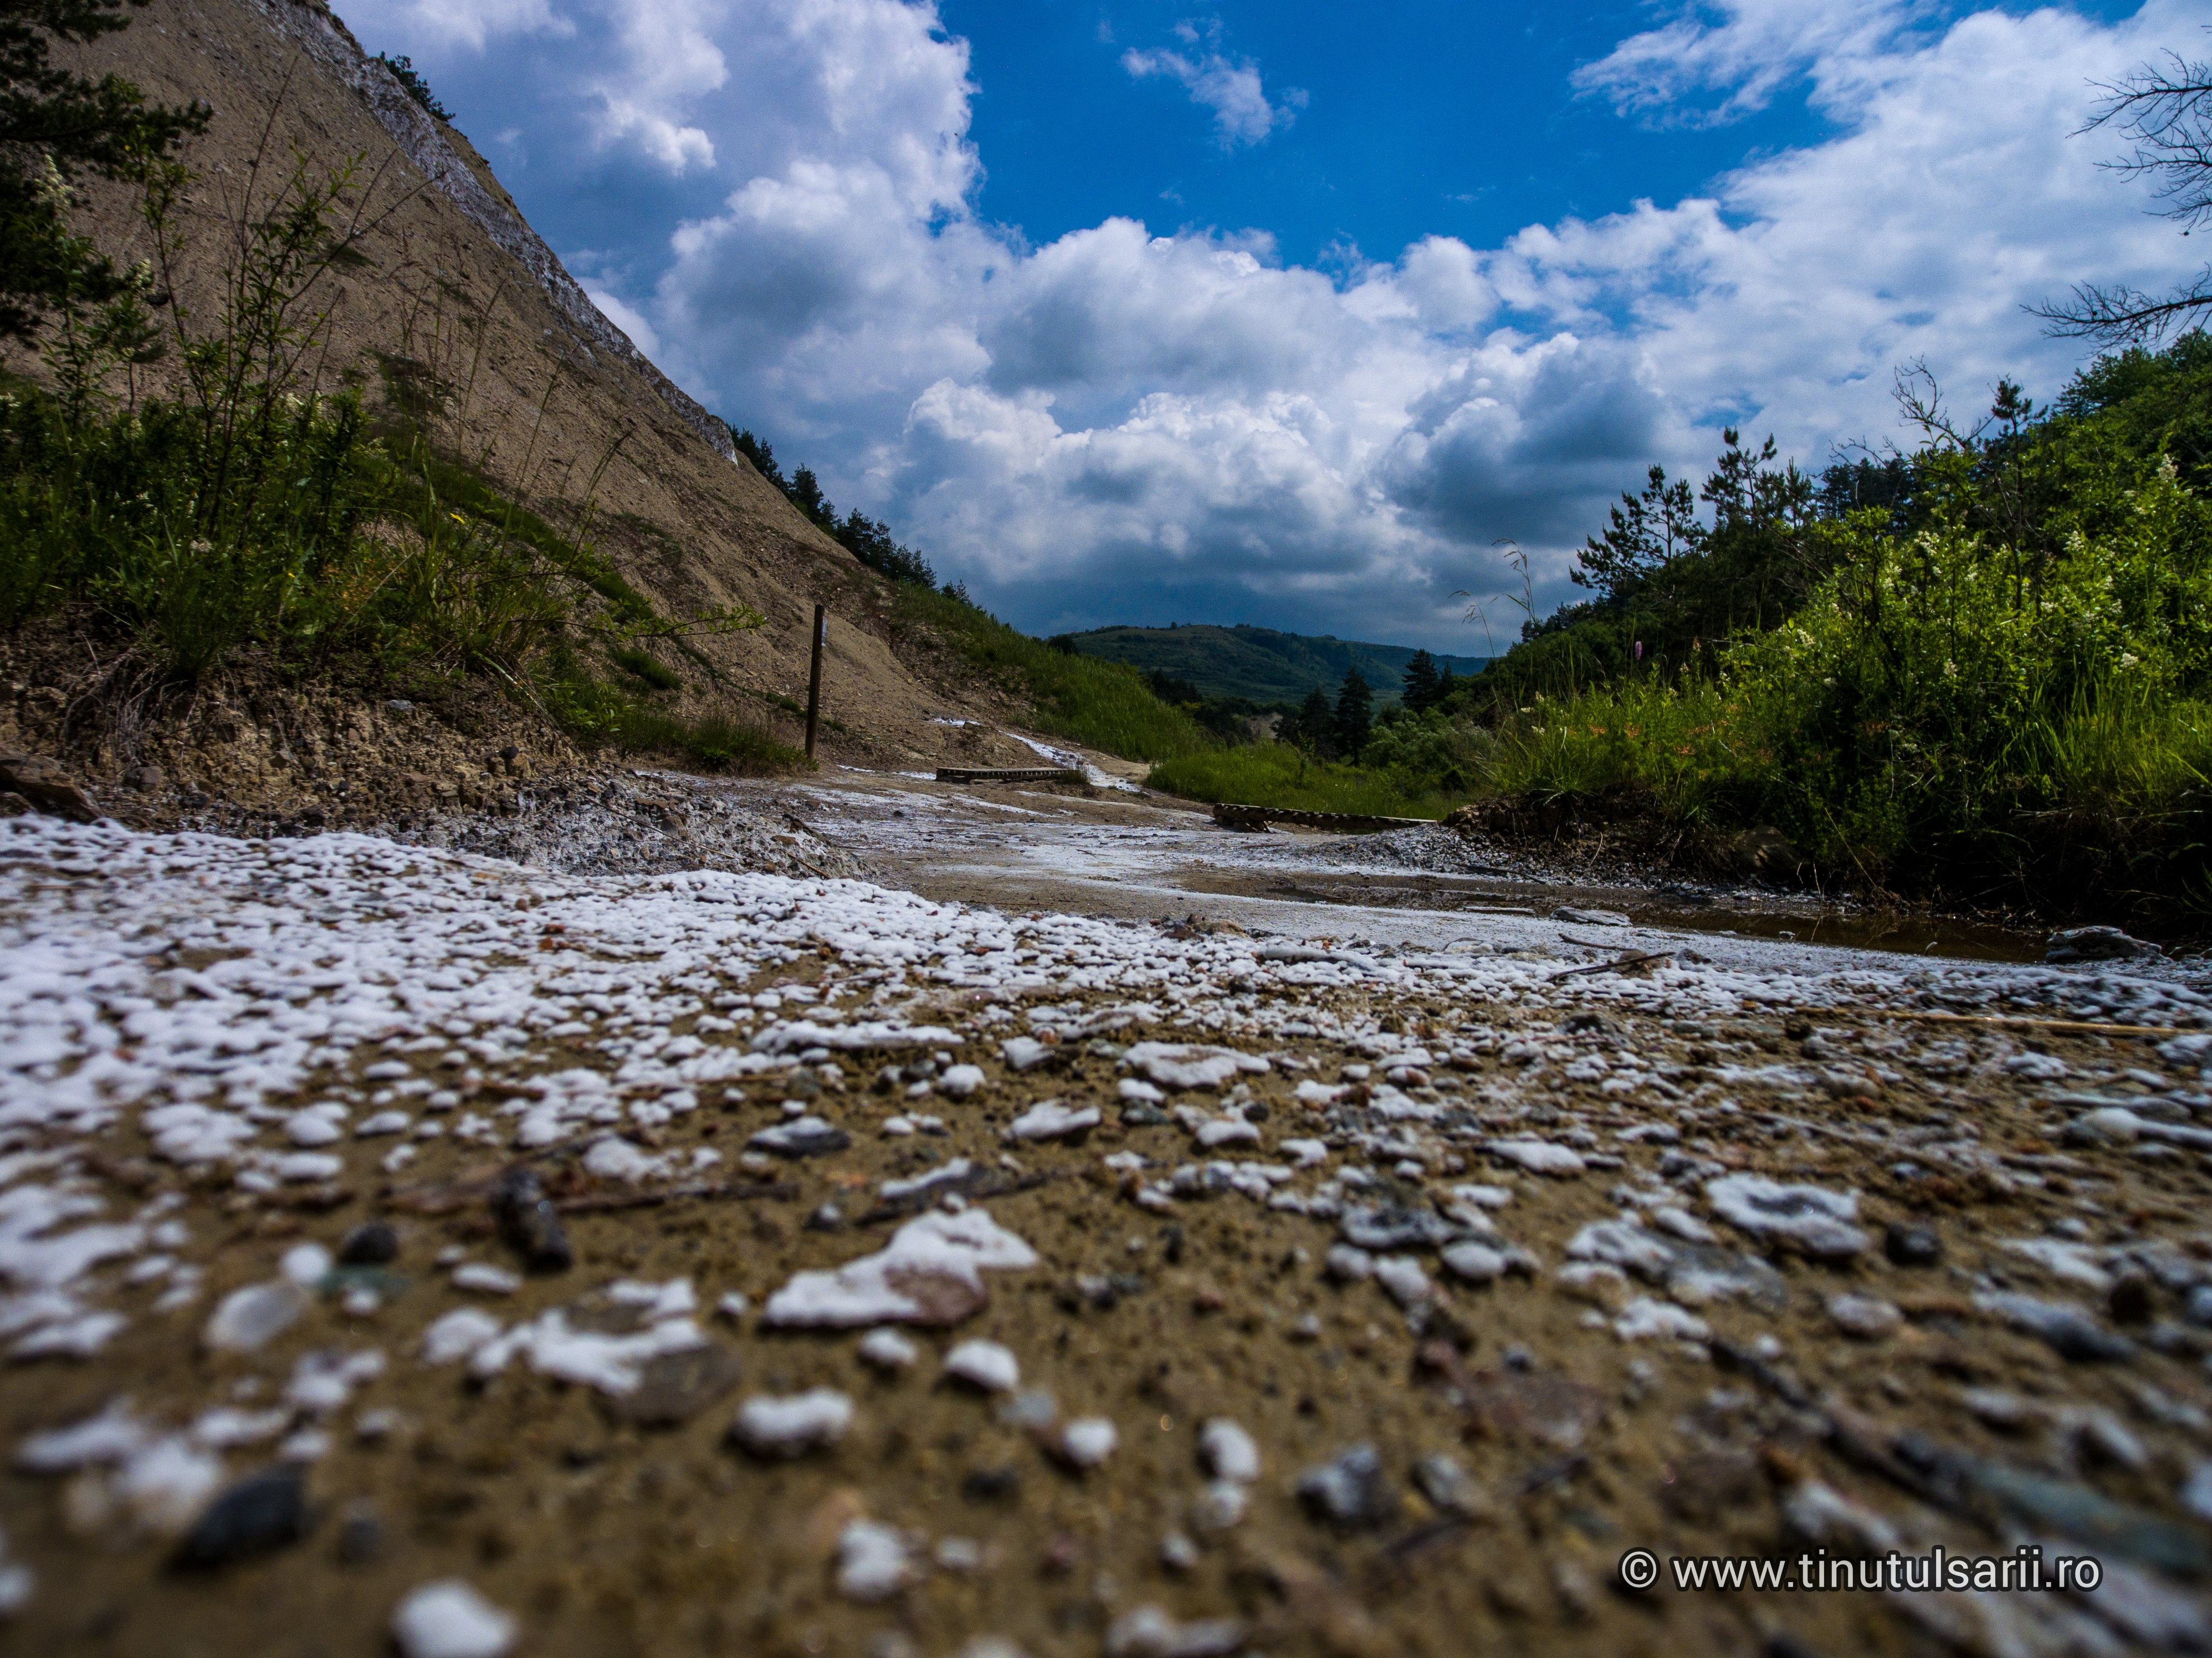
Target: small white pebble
{"points": [[305, 1264], [485, 1277], [985, 1365], [795, 1424], [1230, 1452], [872, 1561], [959, 1553], [887, 1349], [961, 1080], [450, 1619], [1088, 1441], [733, 1306], [457, 1335]]}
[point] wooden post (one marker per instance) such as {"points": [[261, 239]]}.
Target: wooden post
{"points": [[814, 676]]}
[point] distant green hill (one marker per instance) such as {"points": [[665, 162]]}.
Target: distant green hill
{"points": [[1258, 663]]}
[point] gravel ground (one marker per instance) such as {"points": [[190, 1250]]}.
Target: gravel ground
{"points": [[406, 1247]]}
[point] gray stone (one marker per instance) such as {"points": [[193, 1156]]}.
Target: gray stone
{"points": [[264, 1511], [1376, 1229], [1912, 1243], [674, 1387], [371, 1243], [1351, 1490], [806, 1137], [2097, 943], [247, 1319]]}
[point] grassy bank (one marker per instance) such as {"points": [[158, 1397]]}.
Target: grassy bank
{"points": [[1277, 774], [1102, 704]]}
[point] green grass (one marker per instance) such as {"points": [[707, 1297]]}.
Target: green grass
{"points": [[642, 664], [1102, 704], [1276, 775], [716, 743]]}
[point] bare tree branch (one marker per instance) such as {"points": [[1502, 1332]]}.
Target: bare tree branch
{"points": [[2166, 109]]}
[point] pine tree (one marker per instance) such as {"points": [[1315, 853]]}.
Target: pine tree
{"points": [[1312, 728], [1355, 714], [1419, 680]]}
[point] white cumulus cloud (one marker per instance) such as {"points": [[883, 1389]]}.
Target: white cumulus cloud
{"points": [[1230, 88], [1120, 425]]}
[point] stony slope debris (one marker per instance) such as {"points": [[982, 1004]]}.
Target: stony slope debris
{"points": [[384, 1238]]}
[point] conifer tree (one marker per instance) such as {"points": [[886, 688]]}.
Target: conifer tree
{"points": [[1355, 713]]}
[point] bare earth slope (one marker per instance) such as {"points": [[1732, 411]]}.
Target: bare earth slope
{"points": [[539, 388]]}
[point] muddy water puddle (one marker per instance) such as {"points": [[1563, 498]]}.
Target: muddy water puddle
{"points": [[1792, 921]]}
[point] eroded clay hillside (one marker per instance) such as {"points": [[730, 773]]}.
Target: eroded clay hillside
{"points": [[463, 311]]}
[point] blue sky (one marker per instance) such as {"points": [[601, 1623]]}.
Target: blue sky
{"points": [[1290, 314]]}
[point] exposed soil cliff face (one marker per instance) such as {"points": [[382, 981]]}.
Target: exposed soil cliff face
{"points": [[519, 376]]}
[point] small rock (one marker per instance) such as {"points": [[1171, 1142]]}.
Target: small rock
{"points": [[795, 1424], [1228, 1451], [1591, 917], [248, 1319], [2069, 1332], [1054, 1119], [1351, 1490], [802, 1137], [1027, 1054], [1178, 1552], [1347, 1265], [1150, 1632], [485, 1278], [457, 1335], [1447, 1485], [2131, 1300], [1912, 1243], [872, 1561], [984, 1364], [887, 1349], [2097, 943], [1220, 1505], [674, 1387], [450, 1619], [1402, 1277], [305, 1264], [1088, 1441], [1538, 1156], [991, 1485], [1815, 1220], [1865, 1318], [529, 1222], [371, 1243], [1477, 1263], [264, 1511], [1376, 1229], [46, 785], [361, 1536], [1646, 1320]]}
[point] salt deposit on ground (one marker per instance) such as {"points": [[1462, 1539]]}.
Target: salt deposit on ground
{"points": [[1290, 1285]]}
